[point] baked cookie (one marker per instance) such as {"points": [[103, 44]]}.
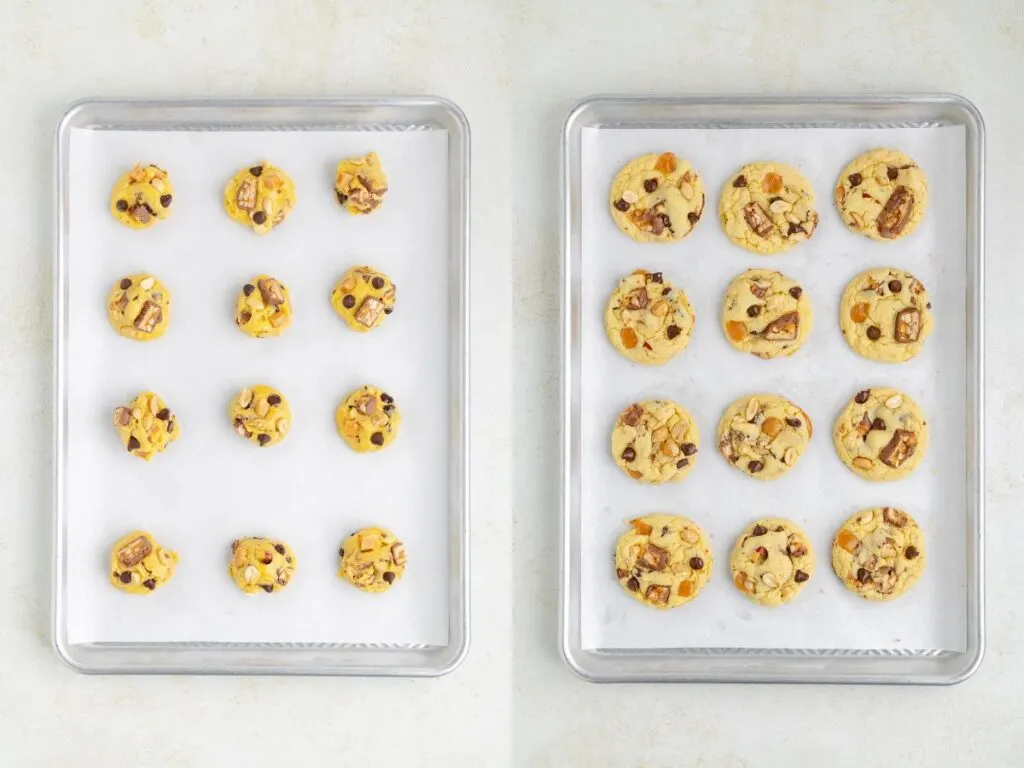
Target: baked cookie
{"points": [[139, 307], [881, 434], [772, 561], [655, 441], [368, 419], [142, 196], [264, 307], [648, 320], [139, 565], [882, 194], [663, 560], [879, 553], [259, 564], [361, 184], [766, 314], [763, 436], [768, 208], [657, 198], [260, 197], [372, 559], [363, 298], [146, 425], [261, 415], [885, 315]]}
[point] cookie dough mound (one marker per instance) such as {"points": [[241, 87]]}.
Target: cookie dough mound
{"points": [[260, 197], [361, 184], [261, 415], [885, 315], [368, 420], [879, 553], [657, 198], [146, 425], [142, 196], [648, 320], [881, 434], [766, 314], [261, 565], [655, 441], [139, 307], [663, 561], [772, 561], [264, 307], [768, 208], [372, 559], [882, 194], [139, 565], [363, 298], [764, 436]]}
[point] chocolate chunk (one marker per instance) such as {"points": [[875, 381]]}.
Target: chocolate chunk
{"points": [[134, 551], [878, 424], [629, 454], [133, 443], [248, 288], [259, 217], [369, 311], [693, 217], [141, 213], [688, 449], [895, 286], [348, 301], [263, 439], [895, 517], [389, 577], [896, 213], [274, 399], [740, 181], [149, 317], [755, 466], [163, 414], [633, 585], [620, 204], [650, 185], [863, 575], [682, 463], [126, 283], [256, 170], [855, 179], [672, 331], [122, 205], [631, 417], [271, 291], [783, 328], [343, 198], [126, 577], [657, 593], [637, 299], [759, 530], [892, 173], [377, 438], [267, 558], [794, 228], [657, 225], [652, 558], [908, 325], [620, 573], [899, 449], [753, 310], [245, 316], [165, 201], [267, 587], [794, 423], [910, 552], [149, 584], [656, 277], [796, 292], [696, 563], [874, 333], [279, 548], [800, 577], [757, 219], [862, 396]]}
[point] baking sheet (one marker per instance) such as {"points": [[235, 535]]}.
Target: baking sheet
{"points": [[211, 486], [819, 493]]}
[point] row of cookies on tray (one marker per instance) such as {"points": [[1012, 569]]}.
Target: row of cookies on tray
{"points": [[767, 207], [884, 314], [664, 561], [260, 196], [880, 435]]}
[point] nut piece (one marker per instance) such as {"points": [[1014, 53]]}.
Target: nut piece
{"points": [[149, 317], [659, 308], [757, 219], [250, 574], [122, 416], [896, 213], [753, 406], [134, 551], [653, 558], [367, 405], [899, 449], [908, 325], [630, 196], [789, 457], [369, 311], [894, 402], [245, 199], [863, 463], [271, 291], [783, 328]]}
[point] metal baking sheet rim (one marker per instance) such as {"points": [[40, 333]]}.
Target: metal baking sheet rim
{"points": [[773, 665], [321, 659]]}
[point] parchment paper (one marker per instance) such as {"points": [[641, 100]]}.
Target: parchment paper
{"points": [[211, 486], [820, 492]]}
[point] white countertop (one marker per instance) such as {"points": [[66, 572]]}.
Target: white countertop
{"points": [[515, 67]]}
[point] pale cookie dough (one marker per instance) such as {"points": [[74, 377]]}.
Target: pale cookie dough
{"points": [[881, 435], [657, 198], [882, 194], [260, 197], [768, 208], [363, 298], [655, 441], [879, 553], [648, 320], [372, 559], [259, 564], [139, 565], [146, 425], [766, 314], [360, 184], [772, 561], [885, 315], [139, 307], [264, 307], [663, 561], [142, 196], [261, 415], [368, 419], [763, 436]]}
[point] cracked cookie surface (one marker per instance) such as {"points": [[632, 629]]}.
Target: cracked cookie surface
{"points": [[142, 196], [368, 419], [879, 553], [882, 194], [260, 197], [881, 434], [772, 561], [261, 565], [663, 561], [655, 441], [261, 415], [764, 435], [372, 559], [139, 565], [766, 314], [146, 425], [657, 198], [139, 307], [363, 298], [263, 307], [648, 320], [885, 315], [768, 208], [360, 184]]}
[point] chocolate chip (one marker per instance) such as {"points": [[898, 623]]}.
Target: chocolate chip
{"points": [[878, 424], [895, 286], [259, 217], [163, 414], [342, 197], [753, 310], [256, 170], [794, 228], [133, 443], [693, 217], [657, 277], [126, 283], [348, 301], [650, 185], [666, 220], [341, 552], [267, 587], [170, 427], [274, 399], [892, 173], [248, 288], [377, 438], [126, 577], [622, 205], [245, 317], [672, 331], [664, 530], [862, 396], [682, 463], [389, 310], [389, 577], [794, 423], [386, 398], [796, 292], [800, 577], [629, 454], [378, 283], [874, 333], [632, 585], [149, 584], [263, 439], [740, 181], [759, 530], [688, 449], [910, 552], [755, 466], [855, 179], [122, 205], [165, 201], [279, 548], [696, 563], [863, 575]]}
